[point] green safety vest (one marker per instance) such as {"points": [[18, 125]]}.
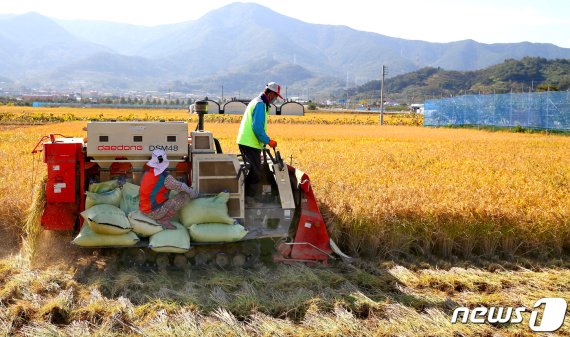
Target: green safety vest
{"points": [[246, 136]]}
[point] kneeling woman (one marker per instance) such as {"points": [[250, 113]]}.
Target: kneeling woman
{"points": [[155, 188]]}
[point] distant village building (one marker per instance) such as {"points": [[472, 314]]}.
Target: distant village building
{"points": [[288, 108], [292, 109], [417, 108], [234, 108], [213, 107]]}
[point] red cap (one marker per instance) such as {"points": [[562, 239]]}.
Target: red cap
{"points": [[276, 88]]}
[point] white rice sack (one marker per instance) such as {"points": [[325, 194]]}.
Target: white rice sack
{"points": [[88, 238], [130, 198], [206, 210], [171, 240], [143, 225], [112, 197], [107, 219], [213, 232], [104, 186]]}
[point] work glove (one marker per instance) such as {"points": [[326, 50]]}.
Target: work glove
{"points": [[272, 143]]}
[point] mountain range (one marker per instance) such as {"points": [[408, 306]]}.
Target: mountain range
{"points": [[240, 46]]}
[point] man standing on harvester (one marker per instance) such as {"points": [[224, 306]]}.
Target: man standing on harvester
{"points": [[252, 137]]}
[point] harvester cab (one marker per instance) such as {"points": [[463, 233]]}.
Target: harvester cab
{"points": [[288, 213]]}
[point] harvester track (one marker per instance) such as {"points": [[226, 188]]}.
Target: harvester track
{"points": [[245, 254]]}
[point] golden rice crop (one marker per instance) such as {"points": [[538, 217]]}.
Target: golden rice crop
{"points": [[406, 189], [29, 115]]}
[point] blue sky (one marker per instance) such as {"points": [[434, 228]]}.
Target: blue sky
{"points": [[487, 21]]}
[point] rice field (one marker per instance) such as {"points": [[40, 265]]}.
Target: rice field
{"points": [[469, 218], [395, 190], [29, 115]]}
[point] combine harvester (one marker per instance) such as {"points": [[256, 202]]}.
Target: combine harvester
{"points": [[288, 216]]}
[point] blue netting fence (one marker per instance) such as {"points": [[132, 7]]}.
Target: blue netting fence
{"points": [[540, 110]]}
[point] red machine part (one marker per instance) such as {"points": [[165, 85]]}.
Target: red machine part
{"points": [[59, 216], [65, 161], [312, 242]]}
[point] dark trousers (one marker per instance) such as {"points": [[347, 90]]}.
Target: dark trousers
{"points": [[253, 157]]}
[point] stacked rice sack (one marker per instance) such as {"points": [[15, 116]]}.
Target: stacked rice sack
{"points": [[105, 220], [112, 218], [170, 240], [207, 220]]}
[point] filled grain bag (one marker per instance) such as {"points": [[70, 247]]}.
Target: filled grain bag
{"points": [[88, 238], [112, 197], [130, 198], [142, 225], [104, 186], [107, 219], [214, 232], [206, 210], [171, 240]]}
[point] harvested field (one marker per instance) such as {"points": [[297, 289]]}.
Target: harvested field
{"points": [[91, 297]]}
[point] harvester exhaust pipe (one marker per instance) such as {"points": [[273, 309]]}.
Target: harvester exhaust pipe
{"points": [[201, 109]]}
